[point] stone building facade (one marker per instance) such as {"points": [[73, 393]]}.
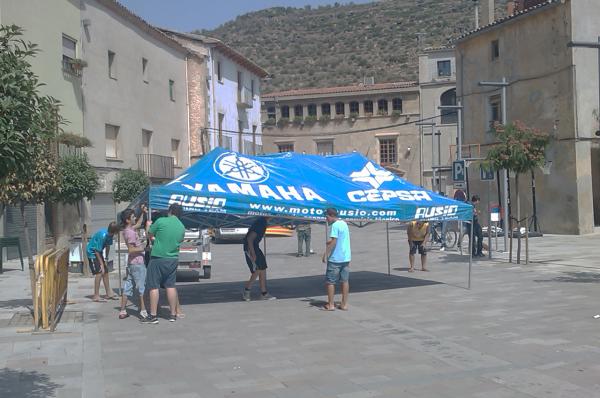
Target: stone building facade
{"points": [[437, 87], [223, 96], [552, 87], [376, 120]]}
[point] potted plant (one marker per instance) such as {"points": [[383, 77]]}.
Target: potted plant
{"points": [[325, 118], [310, 119], [77, 63], [283, 121], [298, 119]]}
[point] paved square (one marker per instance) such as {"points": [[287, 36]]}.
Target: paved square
{"points": [[521, 331]]}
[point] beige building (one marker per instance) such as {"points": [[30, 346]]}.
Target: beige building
{"points": [[437, 87], [551, 87], [376, 120], [136, 103], [55, 26]]}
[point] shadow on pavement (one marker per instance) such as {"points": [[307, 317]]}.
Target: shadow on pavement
{"points": [[16, 303], [296, 287], [575, 277], [26, 384]]}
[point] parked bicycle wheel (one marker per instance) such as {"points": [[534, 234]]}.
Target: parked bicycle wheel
{"points": [[450, 239]]}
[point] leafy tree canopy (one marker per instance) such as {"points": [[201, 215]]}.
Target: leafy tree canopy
{"points": [[521, 148], [27, 118], [129, 184], [78, 179]]}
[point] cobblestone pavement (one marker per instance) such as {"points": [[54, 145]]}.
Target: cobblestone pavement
{"points": [[521, 331]]}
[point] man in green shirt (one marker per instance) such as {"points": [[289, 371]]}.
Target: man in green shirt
{"points": [[168, 234]]}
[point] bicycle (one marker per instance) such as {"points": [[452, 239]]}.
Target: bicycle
{"points": [[449, 239]]}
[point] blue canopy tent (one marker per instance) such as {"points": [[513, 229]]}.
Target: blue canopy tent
{"points": [[225, 188]]}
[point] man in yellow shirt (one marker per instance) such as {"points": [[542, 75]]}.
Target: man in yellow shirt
{"points": [[417, 232]]}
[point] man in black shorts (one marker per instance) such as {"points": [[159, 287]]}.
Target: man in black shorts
{"points": [[417, 232], [256, 259]]}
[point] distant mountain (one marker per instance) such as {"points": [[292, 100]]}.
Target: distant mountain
{"points": [[340, 44]]}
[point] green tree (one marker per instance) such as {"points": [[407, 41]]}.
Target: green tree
{"points": [[129, 184], [520, 149], [26, 117], [28, 124]]}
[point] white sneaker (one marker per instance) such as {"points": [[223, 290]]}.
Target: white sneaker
{"points": [[267, 297], [144, 314], [246, 295], [443, 248]]}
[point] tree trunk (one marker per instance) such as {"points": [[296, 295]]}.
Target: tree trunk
{"points": [[29, 257], [518, 219], [86, 266]]}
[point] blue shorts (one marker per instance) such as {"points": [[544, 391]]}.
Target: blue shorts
{"points": [[162, 272], [337, 272], [136, 276]]}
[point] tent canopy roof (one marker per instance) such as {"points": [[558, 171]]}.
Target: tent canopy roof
{"points": [[228, 188]]}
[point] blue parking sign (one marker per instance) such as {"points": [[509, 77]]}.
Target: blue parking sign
{"points": [[487, 174], [458, 170]]}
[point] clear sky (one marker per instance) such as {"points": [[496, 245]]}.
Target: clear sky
{"points": [[187, 15]]}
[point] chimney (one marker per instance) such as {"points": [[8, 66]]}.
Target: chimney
{"points": [[511, 6], [487, 12]]}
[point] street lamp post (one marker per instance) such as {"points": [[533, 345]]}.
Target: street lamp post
{"points": [[502, 84]]}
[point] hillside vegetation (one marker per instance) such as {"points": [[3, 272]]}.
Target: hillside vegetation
{"points": [[340, 44]]}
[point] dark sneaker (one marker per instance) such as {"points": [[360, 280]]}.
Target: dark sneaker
{"points": [[150, 319], [172, 318]]}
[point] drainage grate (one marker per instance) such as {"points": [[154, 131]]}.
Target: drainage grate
{"points": [[25, 319]]}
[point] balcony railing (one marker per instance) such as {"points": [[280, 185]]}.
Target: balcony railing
{"points": [[245, 98], [156, 166]]}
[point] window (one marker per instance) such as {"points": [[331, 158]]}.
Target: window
{"points": [[449, 116], [325, 148], [112, 138], [69, 53], [382, 107], [340, 109], [145, 70], [388, 153], [254, 139], [271, 113], [495, 106], [146, 142], [287, 147], [354, 107], [312, 110], [220, 130], [285, 112], [298, 111], [397, 105], [444, 68], [175, 152], [112, 65], [252, 87], [368, 107], [172, 90], [219, 75], [495, 46], [227, 142], [326, 109]]}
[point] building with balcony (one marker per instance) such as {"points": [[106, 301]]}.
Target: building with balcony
{"points": [[437, 87], [135, 95], [56, 28], [552, 87], [374, 119], [224, 96]]}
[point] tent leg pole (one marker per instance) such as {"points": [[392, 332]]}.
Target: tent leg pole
{"points": [[471, 244], [387, 233]]}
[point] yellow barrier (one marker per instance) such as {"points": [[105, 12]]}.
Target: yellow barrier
{"points": [[50, 292]]}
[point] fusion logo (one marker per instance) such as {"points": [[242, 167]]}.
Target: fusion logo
{"points": [[234, 167], [191, 202], [433, 212], [370, 174]]}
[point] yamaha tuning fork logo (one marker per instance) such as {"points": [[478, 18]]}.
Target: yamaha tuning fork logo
{"points": [[371, 175], [239, 168]]}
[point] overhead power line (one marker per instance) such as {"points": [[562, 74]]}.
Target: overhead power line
{"points": [[330, 133]]}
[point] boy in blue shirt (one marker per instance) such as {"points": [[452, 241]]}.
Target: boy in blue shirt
{"points": [[101, 240], [337, 255]]}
